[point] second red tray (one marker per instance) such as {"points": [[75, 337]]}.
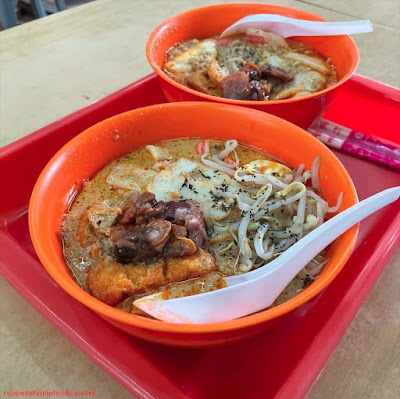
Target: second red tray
{"points": [[280, 363]]}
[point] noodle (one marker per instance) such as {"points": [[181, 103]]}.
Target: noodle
{"points": [[277, 208]]}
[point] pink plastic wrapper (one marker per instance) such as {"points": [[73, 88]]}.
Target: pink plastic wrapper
{"points": [[343, 138]]}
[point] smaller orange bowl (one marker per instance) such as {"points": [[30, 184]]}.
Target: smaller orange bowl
{"points": [[205, 22], [91, 150]]}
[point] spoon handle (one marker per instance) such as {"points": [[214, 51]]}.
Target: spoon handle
{"points": [[287, 27], [299, 254], [315, 28]]}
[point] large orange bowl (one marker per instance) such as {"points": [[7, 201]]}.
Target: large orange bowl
{"points": [[208, 21], [91, 150]]}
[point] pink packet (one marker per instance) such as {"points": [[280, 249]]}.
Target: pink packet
{"points": [[340, 137]]}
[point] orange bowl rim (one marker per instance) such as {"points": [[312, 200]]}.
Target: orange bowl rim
{"points": [[158, 70], [73, 289]]}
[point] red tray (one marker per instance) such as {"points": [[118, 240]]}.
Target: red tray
{"points": [[280, 363]]}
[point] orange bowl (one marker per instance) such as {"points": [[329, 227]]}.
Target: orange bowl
{"points": [[205, 22], [91, 150]]}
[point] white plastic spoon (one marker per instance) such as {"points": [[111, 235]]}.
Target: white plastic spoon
{"points": [[254, 291], [287, 27]]}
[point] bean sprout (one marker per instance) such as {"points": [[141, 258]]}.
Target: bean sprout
{"points": [[230, 146], [245, 265], [299, 173], [217, 166], [337, 206], [277, 209], [226, 164], [314, 173], [259, 243]]}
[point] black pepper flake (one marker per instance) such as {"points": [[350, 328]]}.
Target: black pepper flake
{"points": [[307, 281], [206, 177], [216, 197]]}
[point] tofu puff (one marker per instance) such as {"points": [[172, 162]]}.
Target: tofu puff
{"points": [[112, 282]]}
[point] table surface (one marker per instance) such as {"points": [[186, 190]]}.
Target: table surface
{"points": [[59, 64]]}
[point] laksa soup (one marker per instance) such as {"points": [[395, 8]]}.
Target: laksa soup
{"points": [[256, 66], [178, 216]]}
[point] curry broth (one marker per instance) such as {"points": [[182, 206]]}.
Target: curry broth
{"points": [[206, 69], [133, 172]]}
